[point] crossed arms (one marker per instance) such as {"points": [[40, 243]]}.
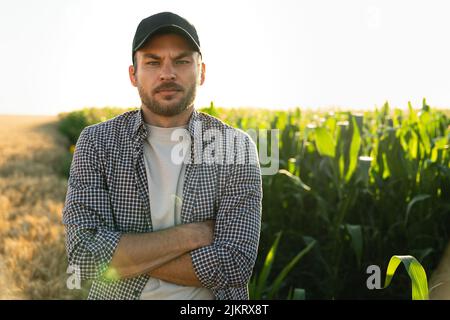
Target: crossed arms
{"points": [[212, 254], [163, 254]]}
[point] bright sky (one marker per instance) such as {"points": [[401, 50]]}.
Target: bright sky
{"points": [[63, 55]]}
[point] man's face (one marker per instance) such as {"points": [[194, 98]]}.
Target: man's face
{"points": [[167, 74]]}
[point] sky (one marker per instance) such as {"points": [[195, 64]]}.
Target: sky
{"points": [[57, 56]]}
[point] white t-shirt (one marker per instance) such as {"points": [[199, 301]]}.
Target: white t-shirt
{"points": [[165, 175]]}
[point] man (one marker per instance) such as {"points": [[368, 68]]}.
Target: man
{"points": [[141, 223]]}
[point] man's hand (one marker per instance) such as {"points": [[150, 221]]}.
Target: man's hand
{"points": [[180, 270], [204, 230]]}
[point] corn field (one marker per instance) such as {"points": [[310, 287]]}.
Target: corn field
{"points": [[365, 187], [352, 190]]}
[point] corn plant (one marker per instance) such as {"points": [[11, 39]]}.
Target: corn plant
{"points": [[260, 288], [365, 185]]}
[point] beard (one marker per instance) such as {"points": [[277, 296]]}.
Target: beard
{"points": [[170, 108]]}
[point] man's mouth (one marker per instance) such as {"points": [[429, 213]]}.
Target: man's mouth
{"points": [[168, 90]]}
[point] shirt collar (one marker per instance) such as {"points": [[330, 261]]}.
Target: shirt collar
{"points": [[140, 131]]}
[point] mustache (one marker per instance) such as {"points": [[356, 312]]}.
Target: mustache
{"points": [[168, 86]]}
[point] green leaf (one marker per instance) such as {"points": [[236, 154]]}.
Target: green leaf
{"points": [[416, 199], [425, 106], [299, 294], [412, 113], [413, 145], [354, 150], [416, 273], [268, 262], [424, 137], [292, 165], [252, 287], [279, 279], [356, 236], [324, 142], [294, 179]]}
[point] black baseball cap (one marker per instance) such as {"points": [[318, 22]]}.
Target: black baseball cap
{"points": [[164, 22]]}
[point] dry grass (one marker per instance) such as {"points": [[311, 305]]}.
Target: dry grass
{"points": [[32, 255]]}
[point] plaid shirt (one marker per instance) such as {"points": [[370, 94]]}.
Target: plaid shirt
{"points": [[108, 195]]}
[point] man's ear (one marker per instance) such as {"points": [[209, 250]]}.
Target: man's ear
{"points": [[132, 74], [202, 73]]}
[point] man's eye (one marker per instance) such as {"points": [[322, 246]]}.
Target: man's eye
{"points": [[182, 62], [153, 63]]}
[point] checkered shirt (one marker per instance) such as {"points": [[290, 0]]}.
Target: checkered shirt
{"points": [[107, 196]]}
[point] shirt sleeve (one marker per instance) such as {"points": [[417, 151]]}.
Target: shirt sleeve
{"points": [[87, 216], [229, 261]]}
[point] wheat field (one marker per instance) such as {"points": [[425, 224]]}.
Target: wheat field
{"points": [[32, 255]]}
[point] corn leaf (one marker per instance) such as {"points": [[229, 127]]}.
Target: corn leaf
{"points": [[324, 142], [356, 237], [268, 262], [354, 150], [416, 273], [279, 279], [416, 199]]}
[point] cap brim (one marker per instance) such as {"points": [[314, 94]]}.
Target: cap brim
{"points": [[171, 27]]}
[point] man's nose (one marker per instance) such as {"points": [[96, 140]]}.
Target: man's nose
{"points": [[167, 71]]}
